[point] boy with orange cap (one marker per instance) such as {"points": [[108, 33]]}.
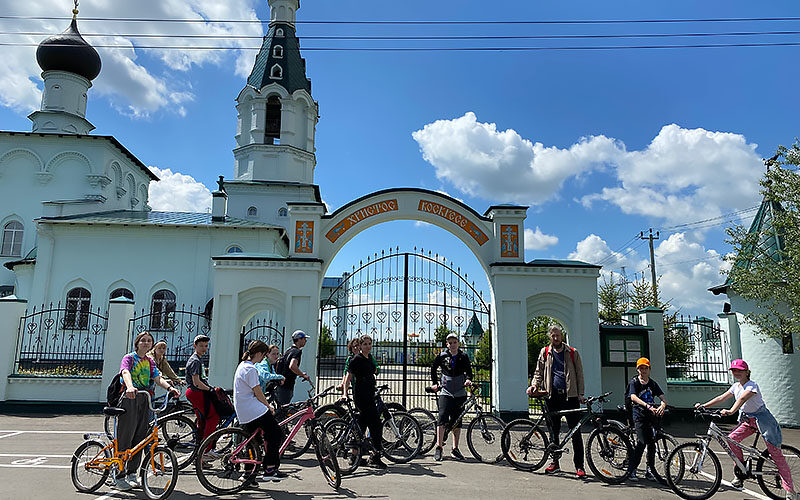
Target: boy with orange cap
{"points": [[642, 391]]}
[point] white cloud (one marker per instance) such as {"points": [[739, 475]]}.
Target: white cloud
{"points": [[537, 240], [177, 192], [134, 87], [681, 173]]}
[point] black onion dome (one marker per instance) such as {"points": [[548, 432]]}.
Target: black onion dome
{"points": [[68, 51]]}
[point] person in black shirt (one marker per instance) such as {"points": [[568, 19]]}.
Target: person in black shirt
{"points": [[289, 367], [361, 371], [456, 375], [642, 391]]}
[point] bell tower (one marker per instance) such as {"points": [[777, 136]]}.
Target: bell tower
{"points": [[277, 116]]}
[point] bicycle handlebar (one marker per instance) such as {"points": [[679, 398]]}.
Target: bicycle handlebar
{"points": [[702, 411], [150, 401]]}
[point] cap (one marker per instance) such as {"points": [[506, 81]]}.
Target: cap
{"points": [[451, 336], [201, 338], [299, 334], [642, 361], [738, 364]]}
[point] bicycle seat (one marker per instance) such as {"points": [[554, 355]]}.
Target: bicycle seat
{"points": [[113, 411]]}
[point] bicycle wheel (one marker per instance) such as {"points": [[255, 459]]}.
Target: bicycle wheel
{"points": [[690, 474], [109, 425], [328, 412], [300, 442], [427, 422], [219, 469], [158, 473], [179, 433], [346, 445], [608, 453], [402, 437], [664, 445], [769, 480], [87, 475], [483, 438], [326, 457], [393, 406], [524, 445]]}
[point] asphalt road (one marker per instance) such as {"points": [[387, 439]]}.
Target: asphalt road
{"points": [[35, 452]]}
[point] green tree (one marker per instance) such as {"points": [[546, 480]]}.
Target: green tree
{"points": [[327, 345], [765, 266], [538, 337], [611, 298], [441, 333], [483, 356]]}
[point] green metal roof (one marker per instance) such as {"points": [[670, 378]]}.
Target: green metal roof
{"points": [[474, 329], [132, 217], [292, 64]]}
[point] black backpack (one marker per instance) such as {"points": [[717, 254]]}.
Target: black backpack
{"points": [[282, 366], [114, 391]]}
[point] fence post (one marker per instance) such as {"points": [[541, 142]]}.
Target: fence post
{"points": [[730, 325], [120, 312], [653, 317], [11, 310]]}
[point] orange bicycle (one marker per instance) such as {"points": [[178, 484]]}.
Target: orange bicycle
{"points": [[96, 458]]}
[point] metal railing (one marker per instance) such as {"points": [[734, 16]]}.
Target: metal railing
{"points": [[697, 350]]}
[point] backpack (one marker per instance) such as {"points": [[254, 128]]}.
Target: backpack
{"points": [[571, 353], [221, 402], [114, 391], [282, 366]]}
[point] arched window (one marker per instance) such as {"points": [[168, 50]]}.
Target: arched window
{"points": [[76, 316], [277, 51], [252, 212], [235, 249], [276, 73], [121, 292], [162, 311], [279, 32], [282, 212], [12, 239], [272, 129]]}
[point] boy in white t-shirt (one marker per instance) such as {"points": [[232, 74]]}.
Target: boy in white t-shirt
{"points": [[753, 417]]}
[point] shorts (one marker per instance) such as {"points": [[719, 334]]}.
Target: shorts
{"points": [[449, 409]]}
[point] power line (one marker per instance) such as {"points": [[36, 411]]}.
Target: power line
{"points": [[719, 217]]}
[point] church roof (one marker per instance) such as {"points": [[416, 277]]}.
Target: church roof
{"points": [[474, 329], [152, 218], [293, 66], [771, 243], [68, 51]]}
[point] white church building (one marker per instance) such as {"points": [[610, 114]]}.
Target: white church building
{"points": [[86, 263]]}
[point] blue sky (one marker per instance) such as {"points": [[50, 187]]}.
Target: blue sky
{"points": [[600, 144]]}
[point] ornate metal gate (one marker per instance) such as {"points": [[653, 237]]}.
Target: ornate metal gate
{"points": [[267, 331], [408, 302]]}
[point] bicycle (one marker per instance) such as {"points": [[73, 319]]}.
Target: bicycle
{"points": [[174, 406], [526, 446], [689, 474], [94, 460], [236, 456], [338, 409], [664, 442], [483, 432], [401, 437]]}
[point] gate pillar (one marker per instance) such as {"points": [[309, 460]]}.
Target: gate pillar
{"points": [[509, 349]]}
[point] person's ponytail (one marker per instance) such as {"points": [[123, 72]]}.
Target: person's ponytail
{"points": [[246, 355], [255, 347]]}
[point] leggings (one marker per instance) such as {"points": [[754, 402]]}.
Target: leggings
{"points": [[369, 419], [273, 435], [747, 428]]}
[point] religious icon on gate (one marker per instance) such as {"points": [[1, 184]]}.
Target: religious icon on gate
{"points": [[509, 240], [304, 236]]}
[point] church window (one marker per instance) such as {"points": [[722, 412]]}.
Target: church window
{"points": [[276, 73], [235, 249], [121, 292], [12, 239], [76, 316], [252, 212], [277, 51], [279, 32], [272, 129], [282, 212], [162, 311]]}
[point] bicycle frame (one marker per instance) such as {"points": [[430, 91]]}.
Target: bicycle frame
{"points": [[714, 432], [589, 414], [302, 417], [469, 405]]}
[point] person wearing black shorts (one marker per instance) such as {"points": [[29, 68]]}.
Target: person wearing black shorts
{"points": [[456, 375]]}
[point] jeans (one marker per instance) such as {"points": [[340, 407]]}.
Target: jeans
{"points": [[558, 402], [644, 439]]}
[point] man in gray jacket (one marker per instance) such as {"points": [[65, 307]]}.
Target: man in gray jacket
{"points": [[559, 377]]}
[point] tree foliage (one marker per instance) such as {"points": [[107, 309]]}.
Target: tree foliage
{"points": [[537, 338], [770, 277], [327, 345], [611, 299]]}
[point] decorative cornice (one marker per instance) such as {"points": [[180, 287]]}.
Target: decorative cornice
{"points": [[100, 180], [273, 148], [508, 268], [121, 191], [310, 264], [44, 177]]}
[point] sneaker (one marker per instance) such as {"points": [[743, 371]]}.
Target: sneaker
{"points": [[251, 485], [211, 455], [121, 484], [633, 477], [274, 475], [553, 467], [437, 455], [738, 484], [580, 473], [649, 475], [131, 479], [456, 453], [376, 462]]}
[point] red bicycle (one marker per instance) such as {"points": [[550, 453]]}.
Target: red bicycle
{"points": [[233, 460]]}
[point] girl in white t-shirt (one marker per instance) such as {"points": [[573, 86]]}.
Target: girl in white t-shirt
{"points": [[753, 417], [253, 409]]}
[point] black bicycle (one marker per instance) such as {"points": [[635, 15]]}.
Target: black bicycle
{"points": [[527, 447], [664, 443]]}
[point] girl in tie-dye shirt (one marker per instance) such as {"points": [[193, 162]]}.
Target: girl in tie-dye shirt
{"points": [[143, 371]]}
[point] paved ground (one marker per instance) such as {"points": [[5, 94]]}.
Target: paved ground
{"points": [[35, 451]]}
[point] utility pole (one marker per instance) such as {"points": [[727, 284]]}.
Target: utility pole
{"points": [[652, 262]]}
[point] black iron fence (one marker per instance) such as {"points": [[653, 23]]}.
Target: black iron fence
{"points": [[56, 340], [697, 349], [267, 331], [176, 327]]}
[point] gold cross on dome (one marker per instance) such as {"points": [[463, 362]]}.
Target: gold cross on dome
{"points": [[75, 9]]}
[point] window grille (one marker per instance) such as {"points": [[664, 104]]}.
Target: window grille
{"points": [[76, 316], [162, 310]]}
